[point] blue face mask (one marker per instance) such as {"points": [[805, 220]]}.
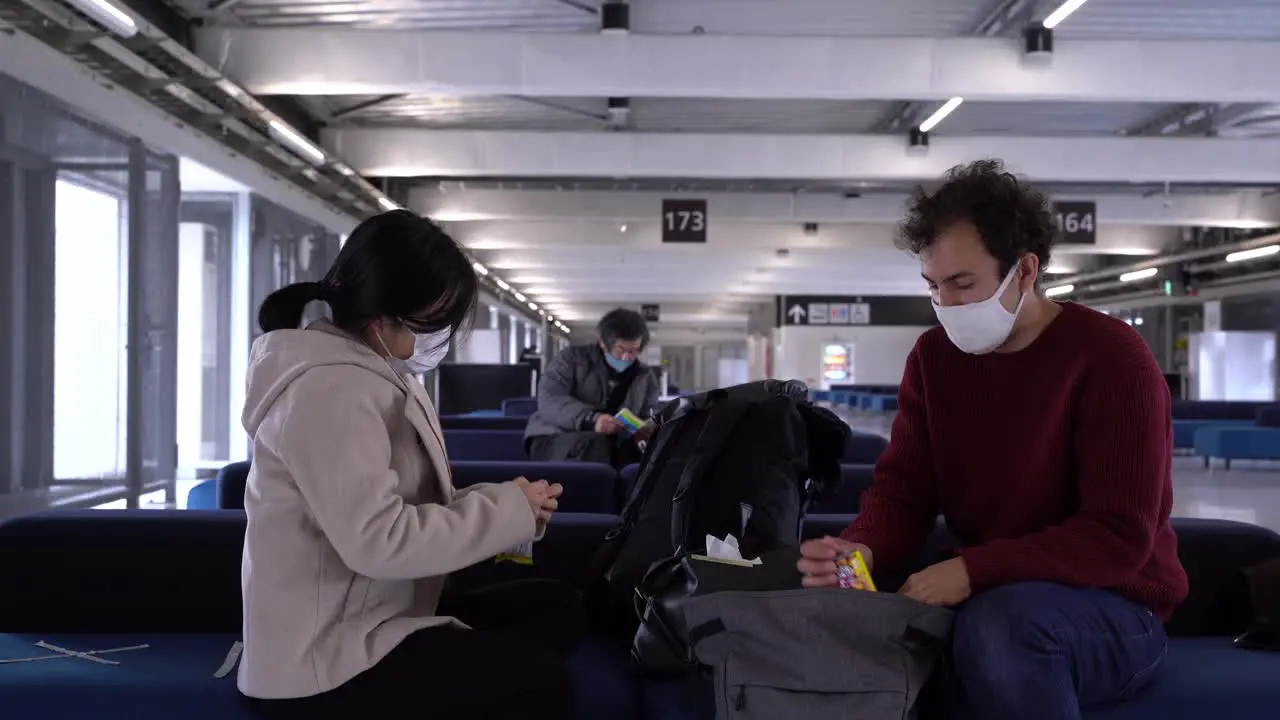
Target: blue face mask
{"points": [[616, 364]]}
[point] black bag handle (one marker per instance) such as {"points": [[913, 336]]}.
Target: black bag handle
{"points": [[726, 413]]}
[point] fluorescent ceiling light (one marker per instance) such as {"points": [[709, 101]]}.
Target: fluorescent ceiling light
{"points": [[1138, 275], [480, 269], [297, 143], [1062, 13], [387, 203], [520, 297], [533, 306], [1058, 270], [941, 114], [502, 283], [1253, 254], [110, 15], [1059, 290]]}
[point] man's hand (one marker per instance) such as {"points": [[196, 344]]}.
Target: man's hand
{"points": [[945, 584], [818, 560], [607, 424], [646, 431]]}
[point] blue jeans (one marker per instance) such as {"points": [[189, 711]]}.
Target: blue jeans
{"points": [[1045, 651]]}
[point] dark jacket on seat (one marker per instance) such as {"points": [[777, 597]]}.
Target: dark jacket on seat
{"points": [[575, 386]]}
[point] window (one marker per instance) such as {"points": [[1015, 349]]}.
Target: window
{"points": [[90, 327]]}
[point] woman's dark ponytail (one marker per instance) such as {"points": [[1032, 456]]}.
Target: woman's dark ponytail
{"points": [[282, 310]]}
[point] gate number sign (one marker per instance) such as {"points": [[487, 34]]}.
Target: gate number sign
{"points": [[1077, 222], [684, 221]]}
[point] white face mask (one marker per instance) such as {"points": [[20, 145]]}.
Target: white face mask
{"points": [[428, 350], [980, 327]]}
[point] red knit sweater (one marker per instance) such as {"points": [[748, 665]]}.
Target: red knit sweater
{"points": [[1053, 463]]}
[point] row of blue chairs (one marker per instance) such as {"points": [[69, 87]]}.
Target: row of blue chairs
{"points": [[866, 400], [508, 445], [167, 583], [1191, 416], [1227, 430], [588, 487]]}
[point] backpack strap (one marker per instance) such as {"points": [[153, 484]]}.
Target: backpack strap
{"points": [[654, 457], [725, 415]]}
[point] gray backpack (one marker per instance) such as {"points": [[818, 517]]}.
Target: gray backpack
{"points": [[816, 654]]}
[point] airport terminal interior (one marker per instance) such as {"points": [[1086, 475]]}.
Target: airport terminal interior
{"points": [[735, 171]]}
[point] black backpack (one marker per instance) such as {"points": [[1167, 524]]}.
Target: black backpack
{"points": [[745, 460]]}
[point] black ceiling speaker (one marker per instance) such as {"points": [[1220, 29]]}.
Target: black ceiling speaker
{"points": [[1038, 39], [615, 17]]}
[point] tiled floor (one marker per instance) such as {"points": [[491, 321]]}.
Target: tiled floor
{"points": [[1248, 492]]}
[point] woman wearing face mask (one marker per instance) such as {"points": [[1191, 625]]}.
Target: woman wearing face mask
{"points": [[353, 523]]}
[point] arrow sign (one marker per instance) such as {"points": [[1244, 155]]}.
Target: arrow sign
{"points": [[797, 314]]}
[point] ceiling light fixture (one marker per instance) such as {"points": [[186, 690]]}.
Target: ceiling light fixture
{"points": [[941, 114], [480, 269], [1138, 275], [1254, 254], [1059, 290], [299, 144], [1062, 13], [110, 15], [387, 204]]}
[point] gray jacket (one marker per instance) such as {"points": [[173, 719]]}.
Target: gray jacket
{"points": [[575, 386]]}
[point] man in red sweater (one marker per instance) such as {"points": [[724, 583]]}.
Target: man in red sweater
{"points": [[1041, 431]]}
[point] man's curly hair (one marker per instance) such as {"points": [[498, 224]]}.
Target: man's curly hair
{"points": [[1012, 218]]}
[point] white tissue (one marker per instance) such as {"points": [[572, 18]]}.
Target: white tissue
{"points": [[727, 549]]}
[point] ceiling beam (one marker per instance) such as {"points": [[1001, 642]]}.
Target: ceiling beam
{"points": [[342, 61], [409, 152], [1245, 208]]}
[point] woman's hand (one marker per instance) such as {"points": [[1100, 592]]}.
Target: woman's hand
{"points": [[543, 497]]}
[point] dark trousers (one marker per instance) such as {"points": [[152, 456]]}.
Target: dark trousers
{"points": [[1045, 651], [616, 450], [510, 666]]}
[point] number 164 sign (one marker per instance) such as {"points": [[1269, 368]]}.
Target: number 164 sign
{"points": [[1077, 222]]}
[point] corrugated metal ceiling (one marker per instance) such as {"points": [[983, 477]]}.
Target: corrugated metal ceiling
{"points": [[815, 187], [514, 15], [1175, 20], [1050, 118], [728, 116]]}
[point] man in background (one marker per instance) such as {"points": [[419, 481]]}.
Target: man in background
{"points": [[585, 387]]}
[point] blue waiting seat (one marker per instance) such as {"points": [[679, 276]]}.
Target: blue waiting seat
{"points": [[588, 487], [1217, 409], [1204, 674], [203, 496], [482, 422], [519, 407], [863, 448], [489, 445], [1237, 443], [170, 580], [1184, 430], [854, 480], [184, 603]]}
